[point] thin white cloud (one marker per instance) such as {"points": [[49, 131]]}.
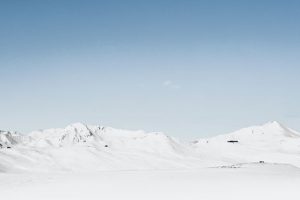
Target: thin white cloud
{"points": [[170, 84], [167, 83]]}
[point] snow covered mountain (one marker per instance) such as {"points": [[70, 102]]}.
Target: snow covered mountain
{"points": [[8, 139], [269, 132], [271, 142], [98, 136], [83, 147]]}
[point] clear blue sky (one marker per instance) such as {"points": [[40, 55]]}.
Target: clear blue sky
{"points": [[188, 68]]}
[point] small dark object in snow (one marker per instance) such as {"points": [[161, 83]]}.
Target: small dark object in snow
{"points": [[8, 147], [106, 146], [232, 141], [261, 161]]}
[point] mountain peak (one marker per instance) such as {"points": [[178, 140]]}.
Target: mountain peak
{"points": [[78, 125], [268, 130], [275, 125], [8, 138]]}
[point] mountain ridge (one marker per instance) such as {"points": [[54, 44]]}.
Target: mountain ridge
{"points": [[88, 147], [81, 133]]}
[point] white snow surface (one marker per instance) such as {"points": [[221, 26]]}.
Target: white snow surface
{"points": [[93, 162], [271, 142], [80, 147], [249, 181]]}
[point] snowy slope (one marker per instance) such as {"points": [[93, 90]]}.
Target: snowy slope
{"points": [[8, 139], [110, 138], [271, 142], [80, 147]]}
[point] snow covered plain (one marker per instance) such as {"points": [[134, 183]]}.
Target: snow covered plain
{"points": [[94, 162]]}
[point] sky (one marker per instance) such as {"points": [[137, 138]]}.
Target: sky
{"points": [[188, 68]]}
